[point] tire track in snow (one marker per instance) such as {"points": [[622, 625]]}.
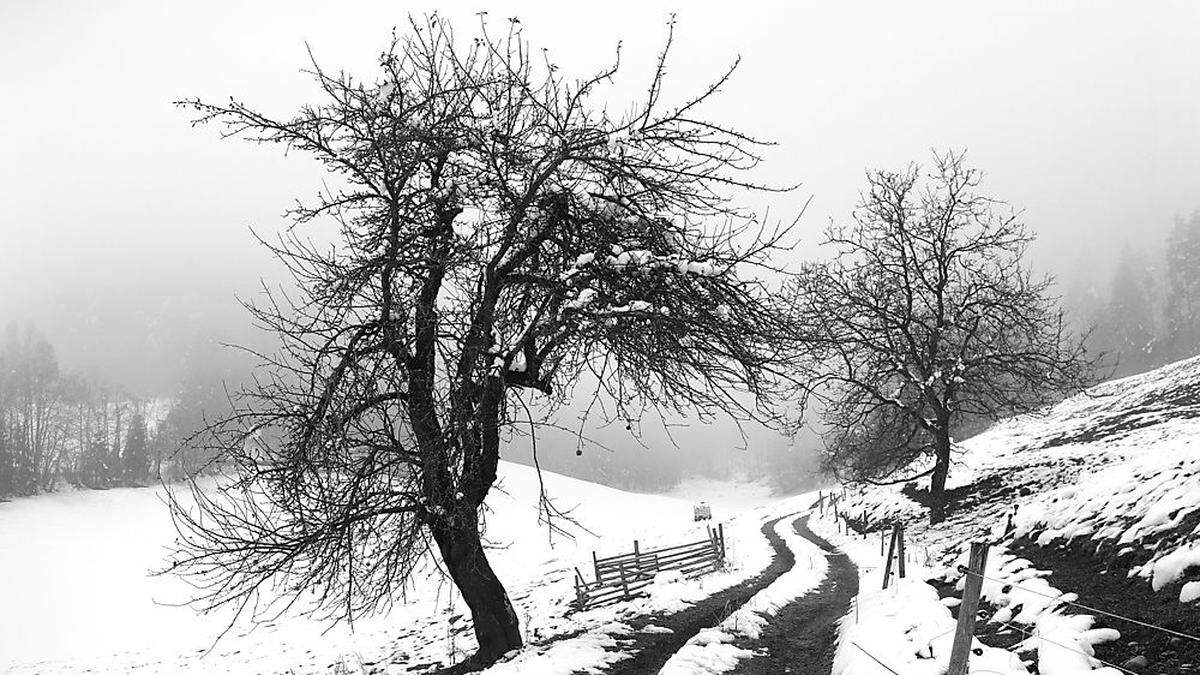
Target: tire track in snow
{"points": [[651, 650], [802, 637]]}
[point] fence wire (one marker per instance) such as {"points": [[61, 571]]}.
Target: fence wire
{"points": [[1083, 606]]}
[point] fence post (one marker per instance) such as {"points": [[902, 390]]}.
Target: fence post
{"points": [[624, 582], [580, 586], [721, 535], [596, 565], [887, 568], [961, 652], [900, 534]]}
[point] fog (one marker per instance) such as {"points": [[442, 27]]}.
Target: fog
{"points": [[125, 233]]}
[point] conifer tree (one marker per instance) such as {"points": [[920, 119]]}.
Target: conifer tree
{"points": [[136, 455]]}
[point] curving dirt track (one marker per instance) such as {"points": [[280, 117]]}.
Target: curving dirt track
{"points": [[652, 650], [802, 637]]}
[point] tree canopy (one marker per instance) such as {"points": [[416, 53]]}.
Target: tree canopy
{"points": [[927, 316], [502, 236]]}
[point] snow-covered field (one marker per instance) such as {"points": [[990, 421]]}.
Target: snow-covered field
{"points": [[77, 594], [1118, 468]]}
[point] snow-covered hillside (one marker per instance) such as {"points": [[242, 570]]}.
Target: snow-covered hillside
{"points": [[1109, 479], [77, 594]]}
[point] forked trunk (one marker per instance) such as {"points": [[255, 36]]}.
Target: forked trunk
{"points": [[496, 627], [937, 481]]}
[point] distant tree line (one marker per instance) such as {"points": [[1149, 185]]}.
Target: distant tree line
{"points": [[59, 428], [1149, 315]]}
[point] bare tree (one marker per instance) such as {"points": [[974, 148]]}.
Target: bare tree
{"points": [[926, 316], [32, 413], [499, 235]]}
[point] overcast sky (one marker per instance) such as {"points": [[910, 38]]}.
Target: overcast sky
{"points": [[124, 231]]}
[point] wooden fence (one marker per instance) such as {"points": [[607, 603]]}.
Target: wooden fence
{"points": [[622, 576]]}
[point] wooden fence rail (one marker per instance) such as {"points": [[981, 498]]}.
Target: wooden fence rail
{"points": [[619, 577]]}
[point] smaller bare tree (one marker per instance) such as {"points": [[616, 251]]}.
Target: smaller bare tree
{"points": [[926, 317]]}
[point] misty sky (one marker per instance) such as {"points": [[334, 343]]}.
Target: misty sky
{"points": [[124, 232]]}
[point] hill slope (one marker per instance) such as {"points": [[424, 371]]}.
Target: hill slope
{"points": [[1101, 488]]}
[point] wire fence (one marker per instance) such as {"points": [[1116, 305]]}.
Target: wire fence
{"points": [[874, 658], [1038, 636], [1097, 610], [1035, 634]]}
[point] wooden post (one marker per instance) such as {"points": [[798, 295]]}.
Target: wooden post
{"points": [[637, 558], [900, 535], [580, 593], [596, 565], [882, 542], [960, 654], [624, 581], [887, 568], [721, 535]]}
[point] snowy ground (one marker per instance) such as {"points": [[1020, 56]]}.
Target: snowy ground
{"points": [[77, 595], [904, 628], [596, 636], [1117, 467], [713, 650]]}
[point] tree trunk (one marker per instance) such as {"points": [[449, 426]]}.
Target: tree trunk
{"points": [[937, 481], [496, 627]]}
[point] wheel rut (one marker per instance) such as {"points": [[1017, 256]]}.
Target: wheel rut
{"points": [[802, 637], [652, 650]]}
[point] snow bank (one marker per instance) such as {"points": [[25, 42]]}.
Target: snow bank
{"points": [[905, 627], [1064, 642]]}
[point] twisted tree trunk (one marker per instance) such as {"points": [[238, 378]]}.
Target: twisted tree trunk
{"points": [[453, 520], [496, 627]]}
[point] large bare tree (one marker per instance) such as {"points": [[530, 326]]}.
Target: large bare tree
{"points": [[500, 235], [925, 317]]}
